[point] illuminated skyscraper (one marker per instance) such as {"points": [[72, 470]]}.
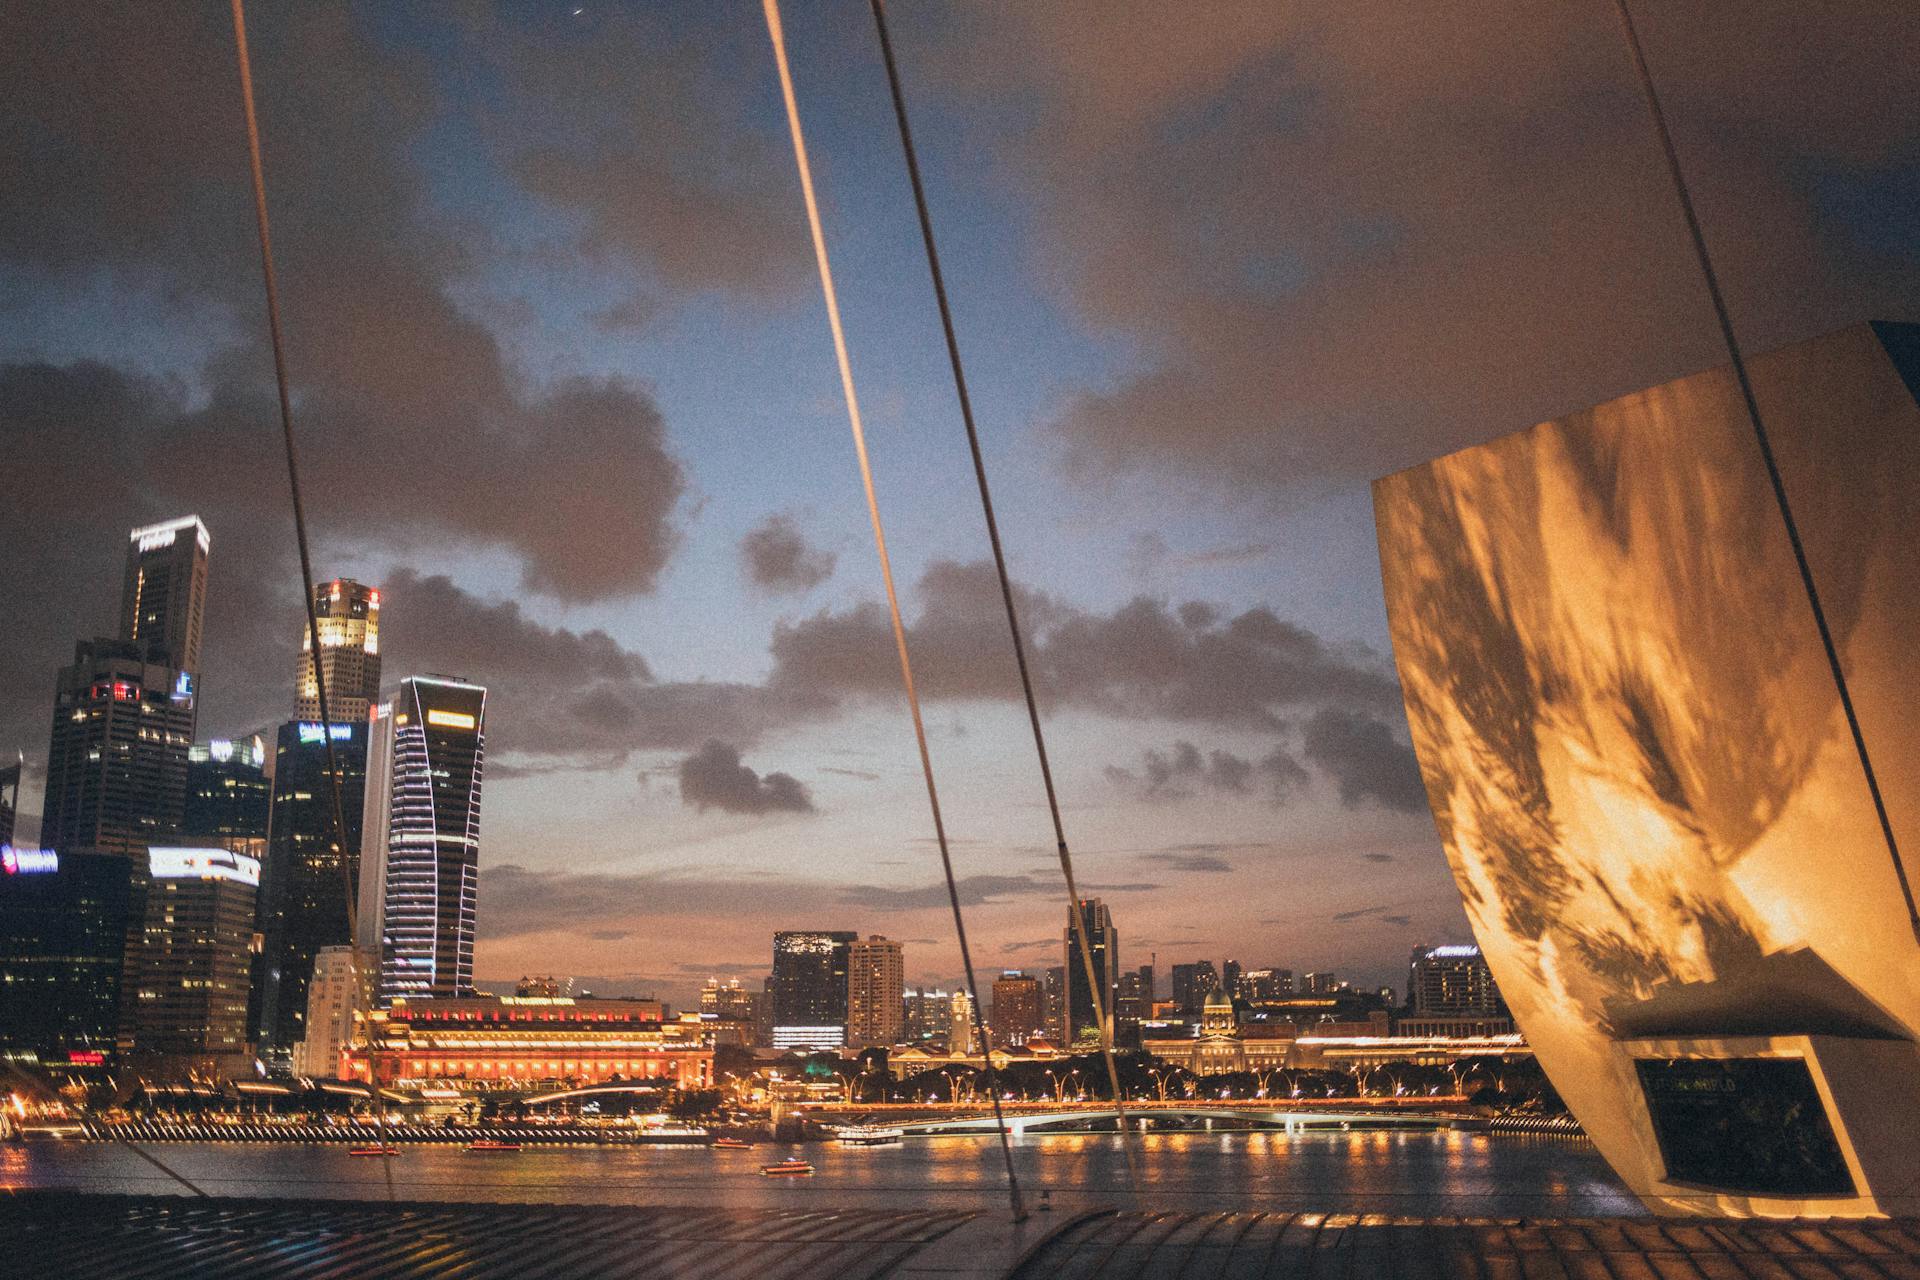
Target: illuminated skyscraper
{"points": [[164, 595], [123, 715], [1103, 941], [190, 966], [306, 883], [420, 861], [1452, 979], [876, 984], [229, 795], [63, 934], [349, 620], [1019, 1011], [810, 988], [962, 1036]]}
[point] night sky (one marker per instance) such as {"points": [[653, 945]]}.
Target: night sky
{"points": [[565, 393]]}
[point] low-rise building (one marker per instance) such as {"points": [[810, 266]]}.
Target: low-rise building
{"points": [[512, 1040]]}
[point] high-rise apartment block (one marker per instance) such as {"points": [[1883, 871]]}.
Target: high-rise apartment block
{"points": [[333, 1001], [1103, 943], [420, 856], [1452, 980], [876, 988], [348, 618], [309, 875], [810, 988], [929, 1013], [1019, 1010], [189, 970]]}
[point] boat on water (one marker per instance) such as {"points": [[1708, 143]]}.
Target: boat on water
{"points": [[381, 1149], [787, 1169], [869, 1135], [733, 1144], [492, 1144]]}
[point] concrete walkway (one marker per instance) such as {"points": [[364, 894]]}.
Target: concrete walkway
{"points": [[60, 1233]]}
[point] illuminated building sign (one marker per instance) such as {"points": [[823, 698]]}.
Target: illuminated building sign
{"points": [[183, 687], [28, 862], [86, 1057], [203, 864], [153, 537], [314, 732], [450, 719]]}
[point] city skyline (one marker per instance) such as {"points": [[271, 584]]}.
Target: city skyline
{"points": [[595, 463]]}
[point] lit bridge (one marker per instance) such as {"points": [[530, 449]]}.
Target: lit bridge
{"points": [[1147, 1118]]}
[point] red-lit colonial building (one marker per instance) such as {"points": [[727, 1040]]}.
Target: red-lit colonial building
{"points": [[522, 1040]]}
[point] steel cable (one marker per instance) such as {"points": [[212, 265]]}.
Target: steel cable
{"points": [[1103, 1014], [336, 818], [774, 32]]}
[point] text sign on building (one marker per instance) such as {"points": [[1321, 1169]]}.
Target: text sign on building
{"points": [[203, 864]]}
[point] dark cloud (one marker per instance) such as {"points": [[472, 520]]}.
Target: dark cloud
{"points": [[1383, 914], [516, 901], [714, 778], [861, 774], [1183, 771], [974, 891], [1377, 857], [1191, 862], [1142, 661], [1339, 253], [1367, 761], [557, 692], [607, 935], [640, 125], [779, 560]]}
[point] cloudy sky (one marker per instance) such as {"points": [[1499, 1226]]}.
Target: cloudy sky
{"points": [[565, 392]]}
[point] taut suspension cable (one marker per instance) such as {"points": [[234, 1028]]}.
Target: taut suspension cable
{"points": [[1739, 363], [774, 32], [335, 814], [1102, 1012]]}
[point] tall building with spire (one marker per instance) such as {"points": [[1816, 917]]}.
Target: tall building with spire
{"points": [[348, 615], [123, 714], [420, 855]]}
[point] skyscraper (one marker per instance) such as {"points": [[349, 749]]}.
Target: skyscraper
{"points": [[189, 968], [117, 752], [306, 883], [1452, 980], [1192, 984], [164, 595], [229, 795], [1019, 1012], [810, 988], [1083, 1015], [420, 861], [348, 615], [63, 934], [9, 798], [123, 714], [876, 986]]}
